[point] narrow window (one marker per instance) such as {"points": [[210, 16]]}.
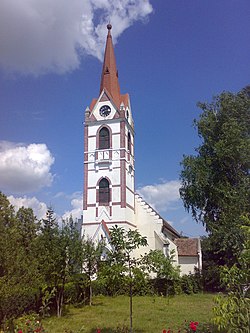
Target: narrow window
{"points": [[129, 142], [104, 140], [104, 192]]}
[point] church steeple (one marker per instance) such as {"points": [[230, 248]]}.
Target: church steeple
{"points": [[109, 78]]}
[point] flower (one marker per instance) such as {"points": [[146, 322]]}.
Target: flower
{"points": [[193, 325]]}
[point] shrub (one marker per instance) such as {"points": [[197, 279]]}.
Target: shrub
{"points": [[29, 324], [17, 299]]}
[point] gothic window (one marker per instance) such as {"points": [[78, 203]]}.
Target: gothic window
{"points": [[104, 138], [104, 192], [129, 142]]}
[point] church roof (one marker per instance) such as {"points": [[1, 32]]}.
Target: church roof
{"points": [[187, 246], [109, 78]]}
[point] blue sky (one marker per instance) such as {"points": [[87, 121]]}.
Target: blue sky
{"points": [[170, 55]]}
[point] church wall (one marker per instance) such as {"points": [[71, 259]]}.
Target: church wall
{"points": [[148, 222], [91, 196], [187, 264], [92, 144], [116, 195], [89, 230], [130, 198]]}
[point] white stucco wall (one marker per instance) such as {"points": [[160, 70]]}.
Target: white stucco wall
{"points": [[188, 264]]}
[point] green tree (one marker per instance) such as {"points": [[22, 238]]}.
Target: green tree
{"points": [[215, 182], [7, 221], [124, 243], [19, 274], [156, 262], [232, 309], [91, 259], [162, 267], [60, 257]]}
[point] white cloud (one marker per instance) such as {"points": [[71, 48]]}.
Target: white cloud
{"points": [[39, 208], [76, 204], [24, 168], [161, 196], [37, 36]]}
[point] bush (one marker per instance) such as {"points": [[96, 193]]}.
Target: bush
{"points": [[17, 299], [211, 279], [28, 324], [191, 283], [164, 287]]}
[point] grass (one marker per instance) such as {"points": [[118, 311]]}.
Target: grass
{"points": [[150, 314]]}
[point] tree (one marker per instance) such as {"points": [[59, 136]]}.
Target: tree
{"points": [[232, 309], [156, 262], [60, 256], [91, 258], [165, 273], [19, 274], [123, 245], [215, 182]]}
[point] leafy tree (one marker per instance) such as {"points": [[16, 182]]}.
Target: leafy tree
{"points": [[35, 257], [19, 275], [232, 310], [60, 256], [124, 243], [91, 258], [7, 221], [156, 263], [215, 182]]}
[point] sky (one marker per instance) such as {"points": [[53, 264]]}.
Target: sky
{"points": [[170, 55]]}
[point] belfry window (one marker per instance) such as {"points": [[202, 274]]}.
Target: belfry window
{"points": [[104, 192], [104, 138]]}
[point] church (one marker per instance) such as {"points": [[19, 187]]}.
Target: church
{"points": [[109, 196]]}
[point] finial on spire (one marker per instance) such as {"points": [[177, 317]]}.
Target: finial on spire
{"points": [[109, 26]]}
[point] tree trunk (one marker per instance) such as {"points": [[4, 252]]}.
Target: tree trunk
{"points": [[130, 297]]}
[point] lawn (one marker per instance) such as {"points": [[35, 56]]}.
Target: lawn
{"points": [[150, 314]]}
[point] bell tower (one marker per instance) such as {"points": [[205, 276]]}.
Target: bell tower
{"points": [[109, 194]]}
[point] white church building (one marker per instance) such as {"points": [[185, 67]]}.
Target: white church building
{"points": [[109, 196]]}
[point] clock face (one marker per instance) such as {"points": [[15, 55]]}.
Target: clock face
{"points": [[104, 110]]}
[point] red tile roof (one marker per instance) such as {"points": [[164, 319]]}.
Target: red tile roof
{"points": [[187, 246], [109, 78]]}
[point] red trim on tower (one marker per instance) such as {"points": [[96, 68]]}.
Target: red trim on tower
{"points": [[123, 165], [85, 171], [109, 223]]}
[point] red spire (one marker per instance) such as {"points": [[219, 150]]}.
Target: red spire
{"points": [[109, 79]]}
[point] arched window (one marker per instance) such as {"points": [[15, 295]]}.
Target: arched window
{"points": [[104, 192], [129, 142], [104, 139]]}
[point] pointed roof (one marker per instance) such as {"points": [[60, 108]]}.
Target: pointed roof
{"points": [[109, 78]]}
